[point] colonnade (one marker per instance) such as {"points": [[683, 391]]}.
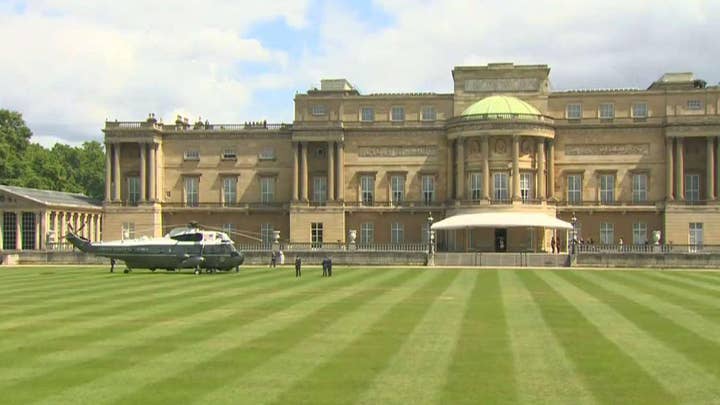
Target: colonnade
{"points": [[147, 171], [335, 171], [675, 169], [89, 225]]}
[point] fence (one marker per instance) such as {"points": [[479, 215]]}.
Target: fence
{"points": [[334, 247], [601, 248]]}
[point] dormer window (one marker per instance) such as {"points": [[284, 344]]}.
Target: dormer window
{"points": [[606, 111], [229, 154], [367, 114], [640, 110], [191, 155], [397, 114], [574, 111], [428, 113]]}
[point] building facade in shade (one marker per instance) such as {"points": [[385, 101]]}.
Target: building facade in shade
{"points": [[626, 162]]}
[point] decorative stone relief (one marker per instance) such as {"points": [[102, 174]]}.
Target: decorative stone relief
{"points": [[397, 151], [525, 147], [608, 149], [500, 146], [485, 85], [474, 147]]}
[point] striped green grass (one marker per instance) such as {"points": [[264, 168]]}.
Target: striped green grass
{"points": [[365, 336]]}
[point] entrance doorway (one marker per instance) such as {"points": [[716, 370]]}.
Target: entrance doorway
{"points": [[500, 239]]}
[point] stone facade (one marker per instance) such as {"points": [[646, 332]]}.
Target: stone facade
{"points": [[625, 162]]}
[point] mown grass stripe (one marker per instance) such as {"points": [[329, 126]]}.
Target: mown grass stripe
{"points": [[369, 353], [429, 348], [684, 279], [702, 297], [696, 289], [543, 371], [246, 355], [481, 368], [174, 337], [712, 277], [33, 276], [607, 370], [49, 289]]}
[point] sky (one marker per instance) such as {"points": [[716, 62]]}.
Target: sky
{"points": [[68, 65]]}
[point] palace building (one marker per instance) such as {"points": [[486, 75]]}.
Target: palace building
{"points": [[624, 162]]}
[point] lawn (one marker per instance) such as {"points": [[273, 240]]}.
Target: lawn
{"points": [[369, 336]]}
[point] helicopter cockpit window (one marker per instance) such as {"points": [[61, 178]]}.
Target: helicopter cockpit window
{"points": [[188, 237]]}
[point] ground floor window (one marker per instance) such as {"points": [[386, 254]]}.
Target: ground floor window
{"points": [[128, 230], [266, 235], [695, 235], [28, 230], [229, 229], [639, 233], [607, 233], [397, 233], [316, 234], [367, 233], [9, 231]]}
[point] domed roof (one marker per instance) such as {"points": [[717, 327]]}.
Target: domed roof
{"points": [[501, 105]]}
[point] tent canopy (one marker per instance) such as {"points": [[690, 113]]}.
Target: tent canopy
{"points": [[501, 220]]}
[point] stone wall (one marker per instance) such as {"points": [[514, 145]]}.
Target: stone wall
{"points": [[649, 260]]}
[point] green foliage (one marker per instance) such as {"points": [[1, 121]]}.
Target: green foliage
{"points": [[61, 168]]}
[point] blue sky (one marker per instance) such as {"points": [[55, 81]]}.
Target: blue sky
{"points": [[75, 63]]}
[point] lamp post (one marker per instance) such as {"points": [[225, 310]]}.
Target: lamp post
{"points": [[573, 222], [430, 240]]}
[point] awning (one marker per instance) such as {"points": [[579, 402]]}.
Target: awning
{"points": [[501, 220]]}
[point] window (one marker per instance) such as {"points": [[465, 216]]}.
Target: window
{"points": [[574, 189], [397, 232], [367, 189], [192, 192], [475, 186], [500, 186], [428, 113], [367, 114], [607, 233], [695, 235], [229, 154], [526, 186], [266, 235], [267, 189], [318, 109], [639, 233], [133, 190], [316, 234], [9, 233], [607, 188], [229, 229], [191, 155], [694, 105], [606, 111], [267, 153], [229, 191], [320, 189], [574, 111], [692, 187], [367, 233], [28, 230], [639, 110], [639, 191], [397, 114], [428, 189], [397, 189], [128, 230]]}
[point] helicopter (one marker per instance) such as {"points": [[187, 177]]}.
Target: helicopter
{"points": [[182, 248]]}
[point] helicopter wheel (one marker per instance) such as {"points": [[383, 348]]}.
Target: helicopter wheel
{"points": [[237, 269], [126, 271], [197, 270]]}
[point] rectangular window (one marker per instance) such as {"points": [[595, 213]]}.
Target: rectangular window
{"points": [[476, 186], [367, 114], [192, 191], [397, 232], [28, 230], [428, 113], [695, 236], [229, 154], [9, 233], [639, 110], [639, 233], [694, 105], [428, 189], [692, 187], [574, 111], [397, 189], [320, 189], [318, 109], [639, 184], [606, 111], [607, 188], [229, 191], [267, 153], [607, 233], [500, 187], [574, 189], [266, 235], [229, 229], [526, 186], [367, 233], [397, 114], [128, 230], [191, 155], [267, 189], [133, 190], [316, 234], [367, 190]]}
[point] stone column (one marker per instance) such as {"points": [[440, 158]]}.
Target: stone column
{"points": [[152, 172], [38, 230], [304, 171], [91, 227], [296, 177], [108, 172], [516, 168], [18, 230], [485, 149], [460, 178], [679, 170], [143, 170], [449, 171], [116, 171], [669, 169], [341, 171], [551, 170], [541, 170], [710, 170], [331, 171]]}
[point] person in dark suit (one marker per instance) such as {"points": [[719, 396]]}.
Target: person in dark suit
{"points": [[298, 265], [325, 267], [329, 266]]}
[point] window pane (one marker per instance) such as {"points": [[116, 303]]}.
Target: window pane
{"points": [[397, 189], [267, 189], [640, 110], [229, 191], [607, 111], [476, 186], [397, 114], [526, 186], [500, 185], [574, 189], [607, 188], [692, 187], [367, 188], [428, 189], [428, 113], [320, 189], [639, 188], [367, 114], [574, 111], [191, 191]]}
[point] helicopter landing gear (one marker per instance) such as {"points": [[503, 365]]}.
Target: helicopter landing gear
{"points": [[127, 270], [237, 269], [197, 270], [153, 269]]}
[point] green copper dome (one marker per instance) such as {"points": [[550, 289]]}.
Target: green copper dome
{"points": [[501, 105]]}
